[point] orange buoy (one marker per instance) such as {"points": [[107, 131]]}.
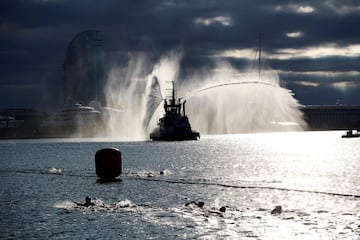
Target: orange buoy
{"points": [[108, 164]]}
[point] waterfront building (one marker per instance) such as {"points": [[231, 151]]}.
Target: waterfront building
{"points": [[332, 117], [84, 77]]}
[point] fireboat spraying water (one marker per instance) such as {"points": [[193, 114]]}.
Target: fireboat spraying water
{"points": [[174, 125]]}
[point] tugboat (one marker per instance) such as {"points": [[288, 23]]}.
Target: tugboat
{"points": [[174, 125], [350, 134]]}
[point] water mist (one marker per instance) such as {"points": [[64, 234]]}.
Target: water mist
{"points": [[234, 102], [219, 101], [128, 90]]}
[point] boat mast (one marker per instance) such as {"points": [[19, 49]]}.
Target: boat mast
{"points": [[259, 55], [172, 97], [173, 91]]}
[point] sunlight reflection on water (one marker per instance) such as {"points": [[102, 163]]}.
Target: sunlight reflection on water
{"points": [[249, 174]]}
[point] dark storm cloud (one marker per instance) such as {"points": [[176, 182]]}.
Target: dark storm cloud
{"points": [[322, 64], [35, 34]]}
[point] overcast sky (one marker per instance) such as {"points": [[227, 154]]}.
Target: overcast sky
{"points": [[313, 45]]}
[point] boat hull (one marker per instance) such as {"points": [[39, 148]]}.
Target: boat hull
{"points": [[350, 134], [164, 135]]}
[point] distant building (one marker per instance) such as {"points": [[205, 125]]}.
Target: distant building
{"points": [[20, 123], [332, 117], [84, 77]]}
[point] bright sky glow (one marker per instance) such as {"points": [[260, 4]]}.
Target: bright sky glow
{"points": [[295, 8], [322, 73], [318, 52], [294, 34], [223, 20], [329, 50], [237, 53], [344, 85], [341, 8], [306, 83]]}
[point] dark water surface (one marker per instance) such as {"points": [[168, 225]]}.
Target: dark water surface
{"points": [[312, 175]]}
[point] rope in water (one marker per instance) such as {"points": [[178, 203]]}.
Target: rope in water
{"points": [[131, 176], [247, 187]]}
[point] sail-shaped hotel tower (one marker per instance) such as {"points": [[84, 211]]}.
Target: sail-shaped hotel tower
{"points": [[84, 77]]}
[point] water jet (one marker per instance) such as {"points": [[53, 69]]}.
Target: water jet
{"points": [[225, 100]]}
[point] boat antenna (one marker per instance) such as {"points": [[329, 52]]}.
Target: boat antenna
{"points": [[173, 90], [259, 54]]}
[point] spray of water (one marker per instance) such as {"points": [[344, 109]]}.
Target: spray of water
{"points": [[125, 98], [232, 102], [219, 101], [134, 94]]}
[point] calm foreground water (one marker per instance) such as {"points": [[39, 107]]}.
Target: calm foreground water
{"points": [[310, 174]]}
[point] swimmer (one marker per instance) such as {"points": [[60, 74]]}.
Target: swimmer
{"points": [[87, 203], [276, 210], [220, 213], [199, 204], [222, 209]]}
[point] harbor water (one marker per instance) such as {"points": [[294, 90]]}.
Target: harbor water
{"points": [[313, 176]]}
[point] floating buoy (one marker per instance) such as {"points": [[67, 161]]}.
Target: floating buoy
{"points": [[108, 164]]}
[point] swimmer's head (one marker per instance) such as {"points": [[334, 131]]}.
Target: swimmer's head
{"points": [[222, 209], [200, 204]]}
